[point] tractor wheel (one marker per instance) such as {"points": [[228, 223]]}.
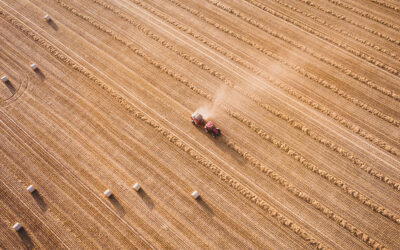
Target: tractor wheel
{"points": [[193, 123]]}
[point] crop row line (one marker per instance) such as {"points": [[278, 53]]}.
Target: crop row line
{"points": [[365, 14], [326, 60], [329, 144], [38, 151], [375, 207], [250, 195], [87, 199], [386, 5], [344, 18], [306, 197], [348, 34], [55, 212], [335, 116], [270, 173], [340, 44], [11, 202], [341, 120], [43, 153], [87, 143], [310, 166], [356, 129], [350, 156], [280, 180], [194, 34], [158, 39], [356, 232], [298, 69]]}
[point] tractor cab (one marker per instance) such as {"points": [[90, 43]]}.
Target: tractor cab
{"points": [[212, 129]]}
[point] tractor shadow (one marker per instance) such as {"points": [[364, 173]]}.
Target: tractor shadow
{"points": [[53, 24], [39, 200], [206, 208], [221, 142], [40, 74], [10, 87], [117, 206], [146, 199], [26, 240]]}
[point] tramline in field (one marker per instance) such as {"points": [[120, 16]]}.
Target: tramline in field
{"points": [[99, 156]]}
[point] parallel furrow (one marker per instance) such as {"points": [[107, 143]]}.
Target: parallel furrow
{"points": [[365, 14], [307, 198], [310, 166], [360, 164], [240, 188], [335, 116], [55, 211], [81, 197], [337, 29], [344, 18], [317, 205], [386, 5], [283, 146], [298, 69], [307, 50], [8, 204], [340, 44]]}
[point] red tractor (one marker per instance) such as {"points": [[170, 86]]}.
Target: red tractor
{"points": [[197, 120], [210, 128]]}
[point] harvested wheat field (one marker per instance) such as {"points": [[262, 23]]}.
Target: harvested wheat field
{"points": [[306, 94]]}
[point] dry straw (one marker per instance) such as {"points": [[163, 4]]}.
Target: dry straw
{"points": [[251, 196], [298, 69], [366, 238], [341, 120], [189, 84], [307, 50]]}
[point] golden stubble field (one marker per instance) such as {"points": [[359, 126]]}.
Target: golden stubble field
{"points": [[305, 92]]}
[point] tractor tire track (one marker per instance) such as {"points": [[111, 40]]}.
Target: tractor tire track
{"points": [[80, 234], [61, 180], [344, 46], [339, 30], [342, 17], [344, 224], [306, 197], [128, 146], [240, 188], [386, 5], [298, 69], [375, 207], [42, 152], [330, 178], [304, 129], [11, 201], [335, 116], [321, 58], [223, 78], [86, 143], [365, 14]]}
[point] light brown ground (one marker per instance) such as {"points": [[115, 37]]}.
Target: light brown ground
{"points": [[306, 93]]}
